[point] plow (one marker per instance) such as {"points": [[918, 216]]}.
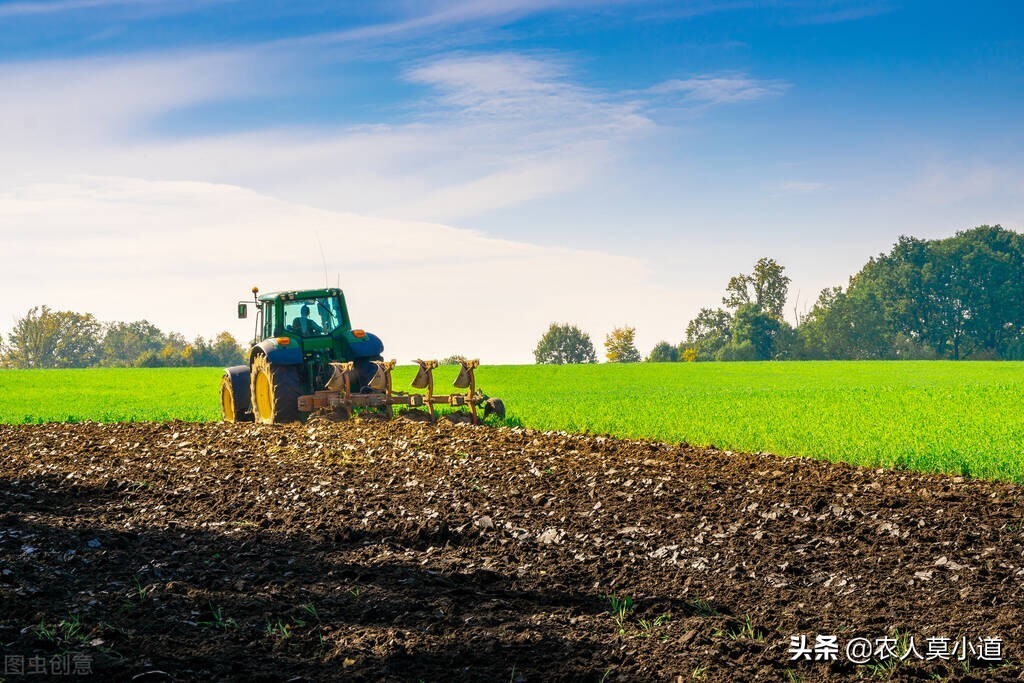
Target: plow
{"points": [[308, 358], [338, 396]]}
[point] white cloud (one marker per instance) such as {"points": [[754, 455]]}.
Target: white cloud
{"points": [[423, 16], [800, 187], [22, 9], [532, 91], [69, 106], [723, 89], [181, 253], [485, 120], [41, 7]]}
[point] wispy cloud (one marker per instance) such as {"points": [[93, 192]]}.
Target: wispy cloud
{"points": [[69, 104], [426, 16], [722, 89], [489, 131], [25, 9], [44, 7], [800, 187], [535, 92], [836, 12]]}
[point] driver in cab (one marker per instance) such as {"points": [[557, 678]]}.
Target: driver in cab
{"points": [[304, 325]]}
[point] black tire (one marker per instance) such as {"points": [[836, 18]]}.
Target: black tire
{"points": [[234, 395], [275, 391]]}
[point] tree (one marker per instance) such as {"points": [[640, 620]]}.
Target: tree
{"points": [[754, 326], [766, 288], [563, 344], [620, 346], [124, 343], [847, 326], [737, 351], [663, 352], [789, 345], [709, 332], [227, 351], [176, 353], [958, 297], [993, 275], [45, 338]]}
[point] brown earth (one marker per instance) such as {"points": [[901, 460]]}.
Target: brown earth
{"points": [[402, 551]]}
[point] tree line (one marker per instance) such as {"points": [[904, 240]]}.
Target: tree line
{"points": [[954, 298], [44, 338]]}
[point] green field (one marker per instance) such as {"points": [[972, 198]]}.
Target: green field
{"points": [[962, 418]]}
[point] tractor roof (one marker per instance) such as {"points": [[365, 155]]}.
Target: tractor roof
{"points": [[300, 294]]}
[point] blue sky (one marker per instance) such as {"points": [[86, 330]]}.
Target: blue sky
{"points": [[599, 162]]}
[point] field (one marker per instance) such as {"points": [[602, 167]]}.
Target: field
{"points": [[160, 546], [414, 552], [960, 418]]}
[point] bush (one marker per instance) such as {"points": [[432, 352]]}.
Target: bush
{"points": [[663, 352]]}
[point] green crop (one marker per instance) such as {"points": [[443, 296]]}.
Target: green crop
{"points": [[110, 395], [964, 418]]}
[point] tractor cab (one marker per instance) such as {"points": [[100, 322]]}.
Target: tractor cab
{"points": [[315, 317], [302, 314]]}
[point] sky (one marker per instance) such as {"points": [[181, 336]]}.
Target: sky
{"points": [[470, 172]]}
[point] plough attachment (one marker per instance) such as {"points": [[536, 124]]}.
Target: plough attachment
{"points": [[380, 396]]}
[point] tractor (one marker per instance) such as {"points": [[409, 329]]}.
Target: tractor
{"points": [[311, 359]]}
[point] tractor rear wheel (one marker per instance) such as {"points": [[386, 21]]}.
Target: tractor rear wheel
{"points": [[275, 391], [234, 396]]}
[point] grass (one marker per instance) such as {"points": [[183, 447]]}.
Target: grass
{"points": [[648, 626], [962, 418], [620, 607], [702, 608], [70, 631], [278, 631], [742, 631], [218, 620]]}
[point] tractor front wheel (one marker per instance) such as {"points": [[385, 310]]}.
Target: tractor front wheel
{"points": [[234, 395], [275, 391]]}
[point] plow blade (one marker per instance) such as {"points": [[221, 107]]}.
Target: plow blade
{"points": [[379, 395]]}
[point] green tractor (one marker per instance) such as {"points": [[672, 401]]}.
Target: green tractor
{"points": [[311, 359]]}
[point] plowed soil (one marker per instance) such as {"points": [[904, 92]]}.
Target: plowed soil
{"points": [[405, 551]]}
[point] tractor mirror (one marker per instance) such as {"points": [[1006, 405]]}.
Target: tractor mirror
{"points": [[243, 310]]}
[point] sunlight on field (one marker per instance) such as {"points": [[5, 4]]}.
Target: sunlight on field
{"points": [[110, 395], [961, 418]]}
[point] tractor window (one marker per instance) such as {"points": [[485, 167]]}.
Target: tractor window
{"points": [[312, 317], [267, 317]]}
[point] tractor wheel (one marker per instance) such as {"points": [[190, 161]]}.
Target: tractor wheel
{"points": [[275, 391], [234, 396]]}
